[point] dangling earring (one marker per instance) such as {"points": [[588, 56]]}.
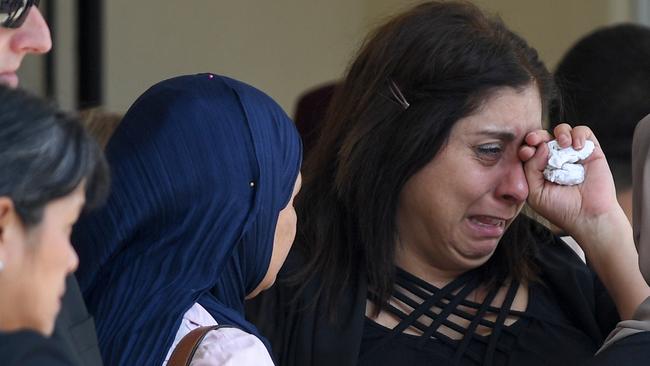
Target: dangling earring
{"points": [[2, 265]]}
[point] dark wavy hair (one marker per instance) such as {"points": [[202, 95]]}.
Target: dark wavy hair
{"points": [[44, 155], [446, 58]]}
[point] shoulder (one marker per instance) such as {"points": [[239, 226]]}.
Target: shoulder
{"points": [[576, 288], [231, 346], [559, 266], [75, 328], [27, 348], [296, 325], [551, 251]]}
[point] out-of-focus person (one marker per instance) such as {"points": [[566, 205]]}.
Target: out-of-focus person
{"points": [[50, 169], [604, 83]]}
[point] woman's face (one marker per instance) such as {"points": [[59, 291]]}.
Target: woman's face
{"points": [[37, 260], [452, 213], [285, 233]]}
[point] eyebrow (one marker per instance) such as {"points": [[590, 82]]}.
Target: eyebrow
{"points": [[501, 135]]}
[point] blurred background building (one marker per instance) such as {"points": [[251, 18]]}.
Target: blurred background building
{"points": [[107, 53]]}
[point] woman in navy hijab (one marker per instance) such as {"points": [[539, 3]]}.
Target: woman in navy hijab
{"points": [[204, 170]]}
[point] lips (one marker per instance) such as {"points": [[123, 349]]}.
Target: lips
{"points": [[484, 226], [488, 220]]}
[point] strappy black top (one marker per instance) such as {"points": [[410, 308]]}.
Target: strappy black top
{"points": [[541, 335], [568, 315]]}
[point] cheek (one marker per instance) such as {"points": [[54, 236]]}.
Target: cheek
{"points": [[55, 256], [4, 45], [287, 222], [453, 193], [293, 220], [285, 232]]}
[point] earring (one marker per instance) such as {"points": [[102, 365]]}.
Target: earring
{"points": [[2, 265]]}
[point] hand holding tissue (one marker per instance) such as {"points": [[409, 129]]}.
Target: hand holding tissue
{"points": [[562, 168]]}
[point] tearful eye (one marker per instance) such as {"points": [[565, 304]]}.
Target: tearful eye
{"points": [[489, 151]]}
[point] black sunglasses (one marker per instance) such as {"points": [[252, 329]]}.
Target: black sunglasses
{"points": [[14, 12]]}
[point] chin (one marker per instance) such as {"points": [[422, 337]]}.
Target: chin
{"points": [[44, 326], [480, 251], [49, 330]]}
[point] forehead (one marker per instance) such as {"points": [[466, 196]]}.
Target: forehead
{"points": [[506, 110]]}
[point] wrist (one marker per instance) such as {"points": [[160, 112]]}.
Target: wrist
{"points": [[609, 247], [600, 235]]}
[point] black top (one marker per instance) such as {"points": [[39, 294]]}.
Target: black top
{"points": [[541, 335], [567, 319], [28, 348]]}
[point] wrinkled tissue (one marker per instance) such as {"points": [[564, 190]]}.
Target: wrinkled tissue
{"points": [[562, 168]]}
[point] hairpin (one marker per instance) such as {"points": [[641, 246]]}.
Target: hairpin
{"points": [[397, 94]]}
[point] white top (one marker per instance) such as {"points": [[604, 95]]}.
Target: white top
{"points": [[222, 347]]}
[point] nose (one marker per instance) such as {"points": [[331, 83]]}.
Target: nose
{"points": [[513, 186], [33, 36]]}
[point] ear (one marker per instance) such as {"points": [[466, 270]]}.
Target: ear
{"points": [[7, 218]]}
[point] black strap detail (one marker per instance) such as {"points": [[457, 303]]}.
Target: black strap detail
{"points": [[501, 319], [448, 300]]}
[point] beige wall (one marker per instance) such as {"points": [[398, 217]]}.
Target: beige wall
{"points": [[551, 26], [284, 46], [281, 46]]}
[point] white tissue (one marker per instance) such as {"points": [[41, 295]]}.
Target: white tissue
{"points": [[561, 169], [569, 175]]}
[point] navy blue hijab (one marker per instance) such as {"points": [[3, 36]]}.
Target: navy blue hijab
{"points": [[201, 167]]}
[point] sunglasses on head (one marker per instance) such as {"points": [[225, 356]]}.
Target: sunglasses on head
{"points": [[14, 12]]}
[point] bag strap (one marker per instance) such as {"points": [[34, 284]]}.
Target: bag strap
{"points": [[185, 349]]}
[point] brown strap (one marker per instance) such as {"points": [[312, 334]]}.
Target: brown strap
{"points": [[185, 349]]}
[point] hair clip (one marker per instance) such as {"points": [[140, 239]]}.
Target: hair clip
{"points": [[397, 94]]}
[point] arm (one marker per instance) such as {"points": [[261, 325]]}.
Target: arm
{"points": [[612, 255], [590, 213]]}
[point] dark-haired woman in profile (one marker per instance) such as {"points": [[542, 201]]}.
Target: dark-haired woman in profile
{"points": [[50, 169], [412, 248]]}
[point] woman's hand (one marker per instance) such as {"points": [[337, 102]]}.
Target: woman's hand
{"points": [[589, 212], [572, 208]]}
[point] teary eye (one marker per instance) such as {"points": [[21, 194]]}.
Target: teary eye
{"points": [[489, 150]]}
